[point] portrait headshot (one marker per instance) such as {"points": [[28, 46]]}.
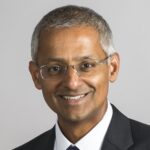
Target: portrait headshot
{"points": [[86, 89]]}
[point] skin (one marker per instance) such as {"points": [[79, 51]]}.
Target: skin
{"points": [[69, 45]]}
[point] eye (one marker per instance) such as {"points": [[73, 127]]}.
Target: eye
{"points": [[54, 69], [87, 66]]}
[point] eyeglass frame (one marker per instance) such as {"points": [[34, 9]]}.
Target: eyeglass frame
{"points": [[65, 69]]}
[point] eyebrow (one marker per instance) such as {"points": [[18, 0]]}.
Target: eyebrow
{"points": [[58, 59], [86, 57], [55, 59]]}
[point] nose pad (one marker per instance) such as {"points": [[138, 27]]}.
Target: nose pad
{"points": [[71, 79], [74, 68]]}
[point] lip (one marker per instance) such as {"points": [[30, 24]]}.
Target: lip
{"points": [[73, 99]]}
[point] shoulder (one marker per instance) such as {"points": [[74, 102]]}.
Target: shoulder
{"points": [[140, 131], [137, 134], [42, 141]]}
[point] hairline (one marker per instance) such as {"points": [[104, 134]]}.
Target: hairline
{"points": [[105, 35]]}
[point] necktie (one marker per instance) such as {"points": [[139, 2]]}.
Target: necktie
{"points": [[71, 147]]}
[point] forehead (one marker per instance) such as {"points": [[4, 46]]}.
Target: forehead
{"points": [[69, 42]]}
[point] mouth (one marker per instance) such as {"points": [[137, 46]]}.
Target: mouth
{"points": [[73, 99], [77, 97]]}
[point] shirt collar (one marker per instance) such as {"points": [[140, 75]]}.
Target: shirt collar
{"points": [[87, 142]]}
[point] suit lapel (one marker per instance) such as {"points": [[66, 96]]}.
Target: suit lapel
{"points": [[49, 143], [119, 134]]}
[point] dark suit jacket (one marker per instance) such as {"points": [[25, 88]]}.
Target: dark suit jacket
{"points": [[122, 134]]}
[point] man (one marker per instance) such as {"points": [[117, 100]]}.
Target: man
{"points": [[73, 62]]}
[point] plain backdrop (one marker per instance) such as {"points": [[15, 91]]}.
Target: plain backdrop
{"points": [[23, 112]]}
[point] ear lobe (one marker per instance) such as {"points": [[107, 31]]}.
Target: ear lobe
{"points": [[114, 67], [34, 71]]}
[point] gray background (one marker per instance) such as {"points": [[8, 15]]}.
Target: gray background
{"points": [[23, 112]]}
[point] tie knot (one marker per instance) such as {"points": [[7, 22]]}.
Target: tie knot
{"points": [[71, 147]]}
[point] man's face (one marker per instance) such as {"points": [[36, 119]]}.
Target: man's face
{"points": [[74, 98]]}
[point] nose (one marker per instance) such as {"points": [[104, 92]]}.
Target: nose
{"points": [[71, 80]]}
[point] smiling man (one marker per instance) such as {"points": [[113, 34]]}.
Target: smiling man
{"points": [[73, 62]]}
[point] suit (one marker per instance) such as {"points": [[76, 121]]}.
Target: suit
{"points": [[122, 134]]}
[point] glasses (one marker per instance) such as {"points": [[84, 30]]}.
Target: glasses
{"points": [[57, 70]]}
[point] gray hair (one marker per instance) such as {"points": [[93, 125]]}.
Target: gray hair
{"points": [[68, 16]]}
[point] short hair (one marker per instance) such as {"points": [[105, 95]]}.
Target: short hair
{"points": [[68, 16]]}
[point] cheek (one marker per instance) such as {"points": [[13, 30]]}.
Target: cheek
{"points": [[100, 80], [101, 84], [49, 87], [48, 91]]}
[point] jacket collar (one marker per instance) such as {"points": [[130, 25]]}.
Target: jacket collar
{"points": [[119, 134], [49, 140]]}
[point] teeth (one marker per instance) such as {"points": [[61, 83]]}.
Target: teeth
{"points": [[73, 97]]}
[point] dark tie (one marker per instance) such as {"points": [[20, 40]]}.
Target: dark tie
{"points": [[72, 148]]}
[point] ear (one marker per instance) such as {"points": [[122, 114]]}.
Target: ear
{"points": [[34, 70], [114, 67]]}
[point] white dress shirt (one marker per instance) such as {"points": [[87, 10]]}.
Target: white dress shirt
{"points": [[92, 140]]}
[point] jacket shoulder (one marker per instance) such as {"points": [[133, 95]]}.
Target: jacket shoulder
{"points": [[40, 142], [140, 132], [128, 133]]}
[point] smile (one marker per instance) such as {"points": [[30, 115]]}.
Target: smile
{"points": [[73, 97]]}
